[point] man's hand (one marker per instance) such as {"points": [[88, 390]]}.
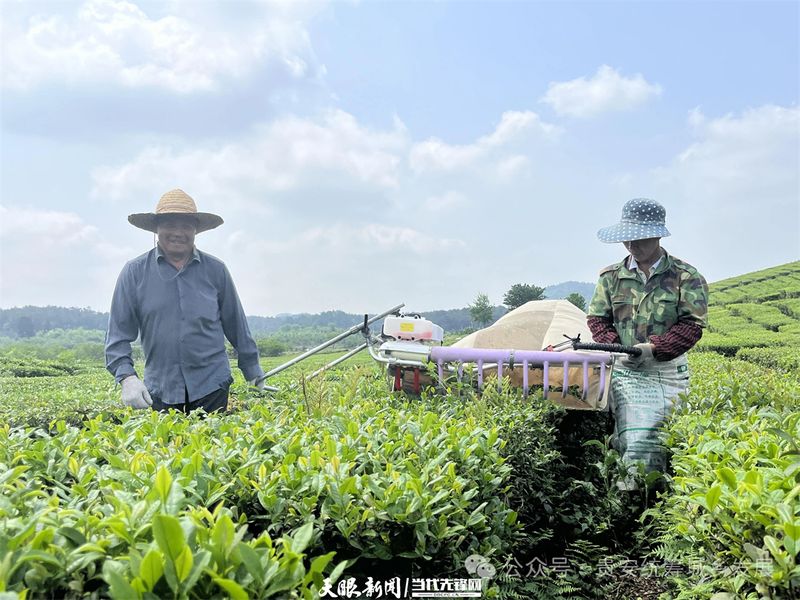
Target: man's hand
{"points": [[259, 382], [134, 393], [643, 360]]}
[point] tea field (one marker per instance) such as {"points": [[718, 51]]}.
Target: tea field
{"points": [[339, 488]]}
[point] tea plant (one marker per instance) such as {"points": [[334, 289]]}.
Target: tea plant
{"points": [[733, 515], [369, 476]]}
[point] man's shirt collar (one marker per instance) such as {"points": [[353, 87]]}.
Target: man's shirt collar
{"points": [[195, 253], [635, 267], [632, 269]]}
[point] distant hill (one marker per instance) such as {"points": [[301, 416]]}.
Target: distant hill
{"points": [[755, 317], [562, 290], [27, 321]]}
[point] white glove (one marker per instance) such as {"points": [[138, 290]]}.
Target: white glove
{"points": [[134, 393], [260, 383], [643, 360]]}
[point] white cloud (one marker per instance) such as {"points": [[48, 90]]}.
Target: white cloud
{"points": [[434, 154], [752, 153], [341, 238], [356, 267], [51, 228], [510, 167], [333, 151], [446, 202], [514, 124], [349, 214], [607, 91], [380, 237], [733, 195], [290, 153], [46, 252], [117, 42]]}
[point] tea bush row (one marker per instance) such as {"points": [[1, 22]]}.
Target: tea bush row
{"points": [[733, 515], [730, 344], [762, 314], [768, 285], [17, 366], [789, 307], [783, 359], [190, 506], [74, 392]]}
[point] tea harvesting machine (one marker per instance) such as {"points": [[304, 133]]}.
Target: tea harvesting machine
{"points": [[409, 345]]}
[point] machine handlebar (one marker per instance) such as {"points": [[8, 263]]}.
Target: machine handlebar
{"points": [[633, 351]]}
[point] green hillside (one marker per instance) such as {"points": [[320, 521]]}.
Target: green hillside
{"points": [[757, 317]]}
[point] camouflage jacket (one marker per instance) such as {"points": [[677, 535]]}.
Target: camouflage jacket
{"points": [[675, 292]]}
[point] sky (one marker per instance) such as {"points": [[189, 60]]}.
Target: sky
{"points": [[366, 154]]}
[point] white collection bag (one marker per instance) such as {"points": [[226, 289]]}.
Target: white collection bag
{"points": [[641, 401]]}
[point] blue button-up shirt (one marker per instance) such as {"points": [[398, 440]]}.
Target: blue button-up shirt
{"points": [[182, 317]]}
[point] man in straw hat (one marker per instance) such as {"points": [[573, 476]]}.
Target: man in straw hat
{"points": [[183, 304], [657, 303]]}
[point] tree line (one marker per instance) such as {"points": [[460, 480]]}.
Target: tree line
{"points": [[78, 333], [482, 311], [32, 321]]}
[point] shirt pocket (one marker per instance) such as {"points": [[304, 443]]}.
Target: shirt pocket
{"points": [[665, 310], [207, 307], [622, 309]]}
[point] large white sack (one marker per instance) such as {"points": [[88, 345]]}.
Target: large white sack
{"points": [[535, 326]]}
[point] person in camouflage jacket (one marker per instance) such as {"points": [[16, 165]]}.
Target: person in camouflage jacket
{"points": [[658, 304], [651, 299]]}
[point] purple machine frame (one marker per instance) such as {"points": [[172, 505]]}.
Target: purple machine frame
{"points": [[525, 359]]}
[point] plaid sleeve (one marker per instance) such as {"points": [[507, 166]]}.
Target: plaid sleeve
{"points": [[603, 331], [680, 338]]}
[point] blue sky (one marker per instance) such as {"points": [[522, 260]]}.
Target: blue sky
{"points": [[369, 153]]}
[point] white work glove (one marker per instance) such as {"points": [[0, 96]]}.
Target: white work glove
{"points": [[643, 360], [259, 383], [134, 393]]}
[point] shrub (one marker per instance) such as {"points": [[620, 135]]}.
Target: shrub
{"points": [[271, 347], [378, 477], [784, 359], [13, 366], [733, 518]]}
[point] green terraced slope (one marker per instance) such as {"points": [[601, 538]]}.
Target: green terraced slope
{"points": [[757, 317]]}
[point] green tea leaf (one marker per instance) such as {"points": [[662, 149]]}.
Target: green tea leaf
{"points": [[169, 535], [792, 530], [222, 535], [43, 538], [774, 547], [252, 562], [713, 496], [319, 563], [73, 535], [727, 476], [234, 590], [201, 560], [302, 537], [163, 483], [119, 587], [183, 563], [152, 568], [338, 570]]}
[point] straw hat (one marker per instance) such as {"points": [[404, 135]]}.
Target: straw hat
{"points": [[175, 202], [642, 219]]}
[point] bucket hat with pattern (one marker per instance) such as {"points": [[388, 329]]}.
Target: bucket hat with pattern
{"points": [[642, 218]]}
